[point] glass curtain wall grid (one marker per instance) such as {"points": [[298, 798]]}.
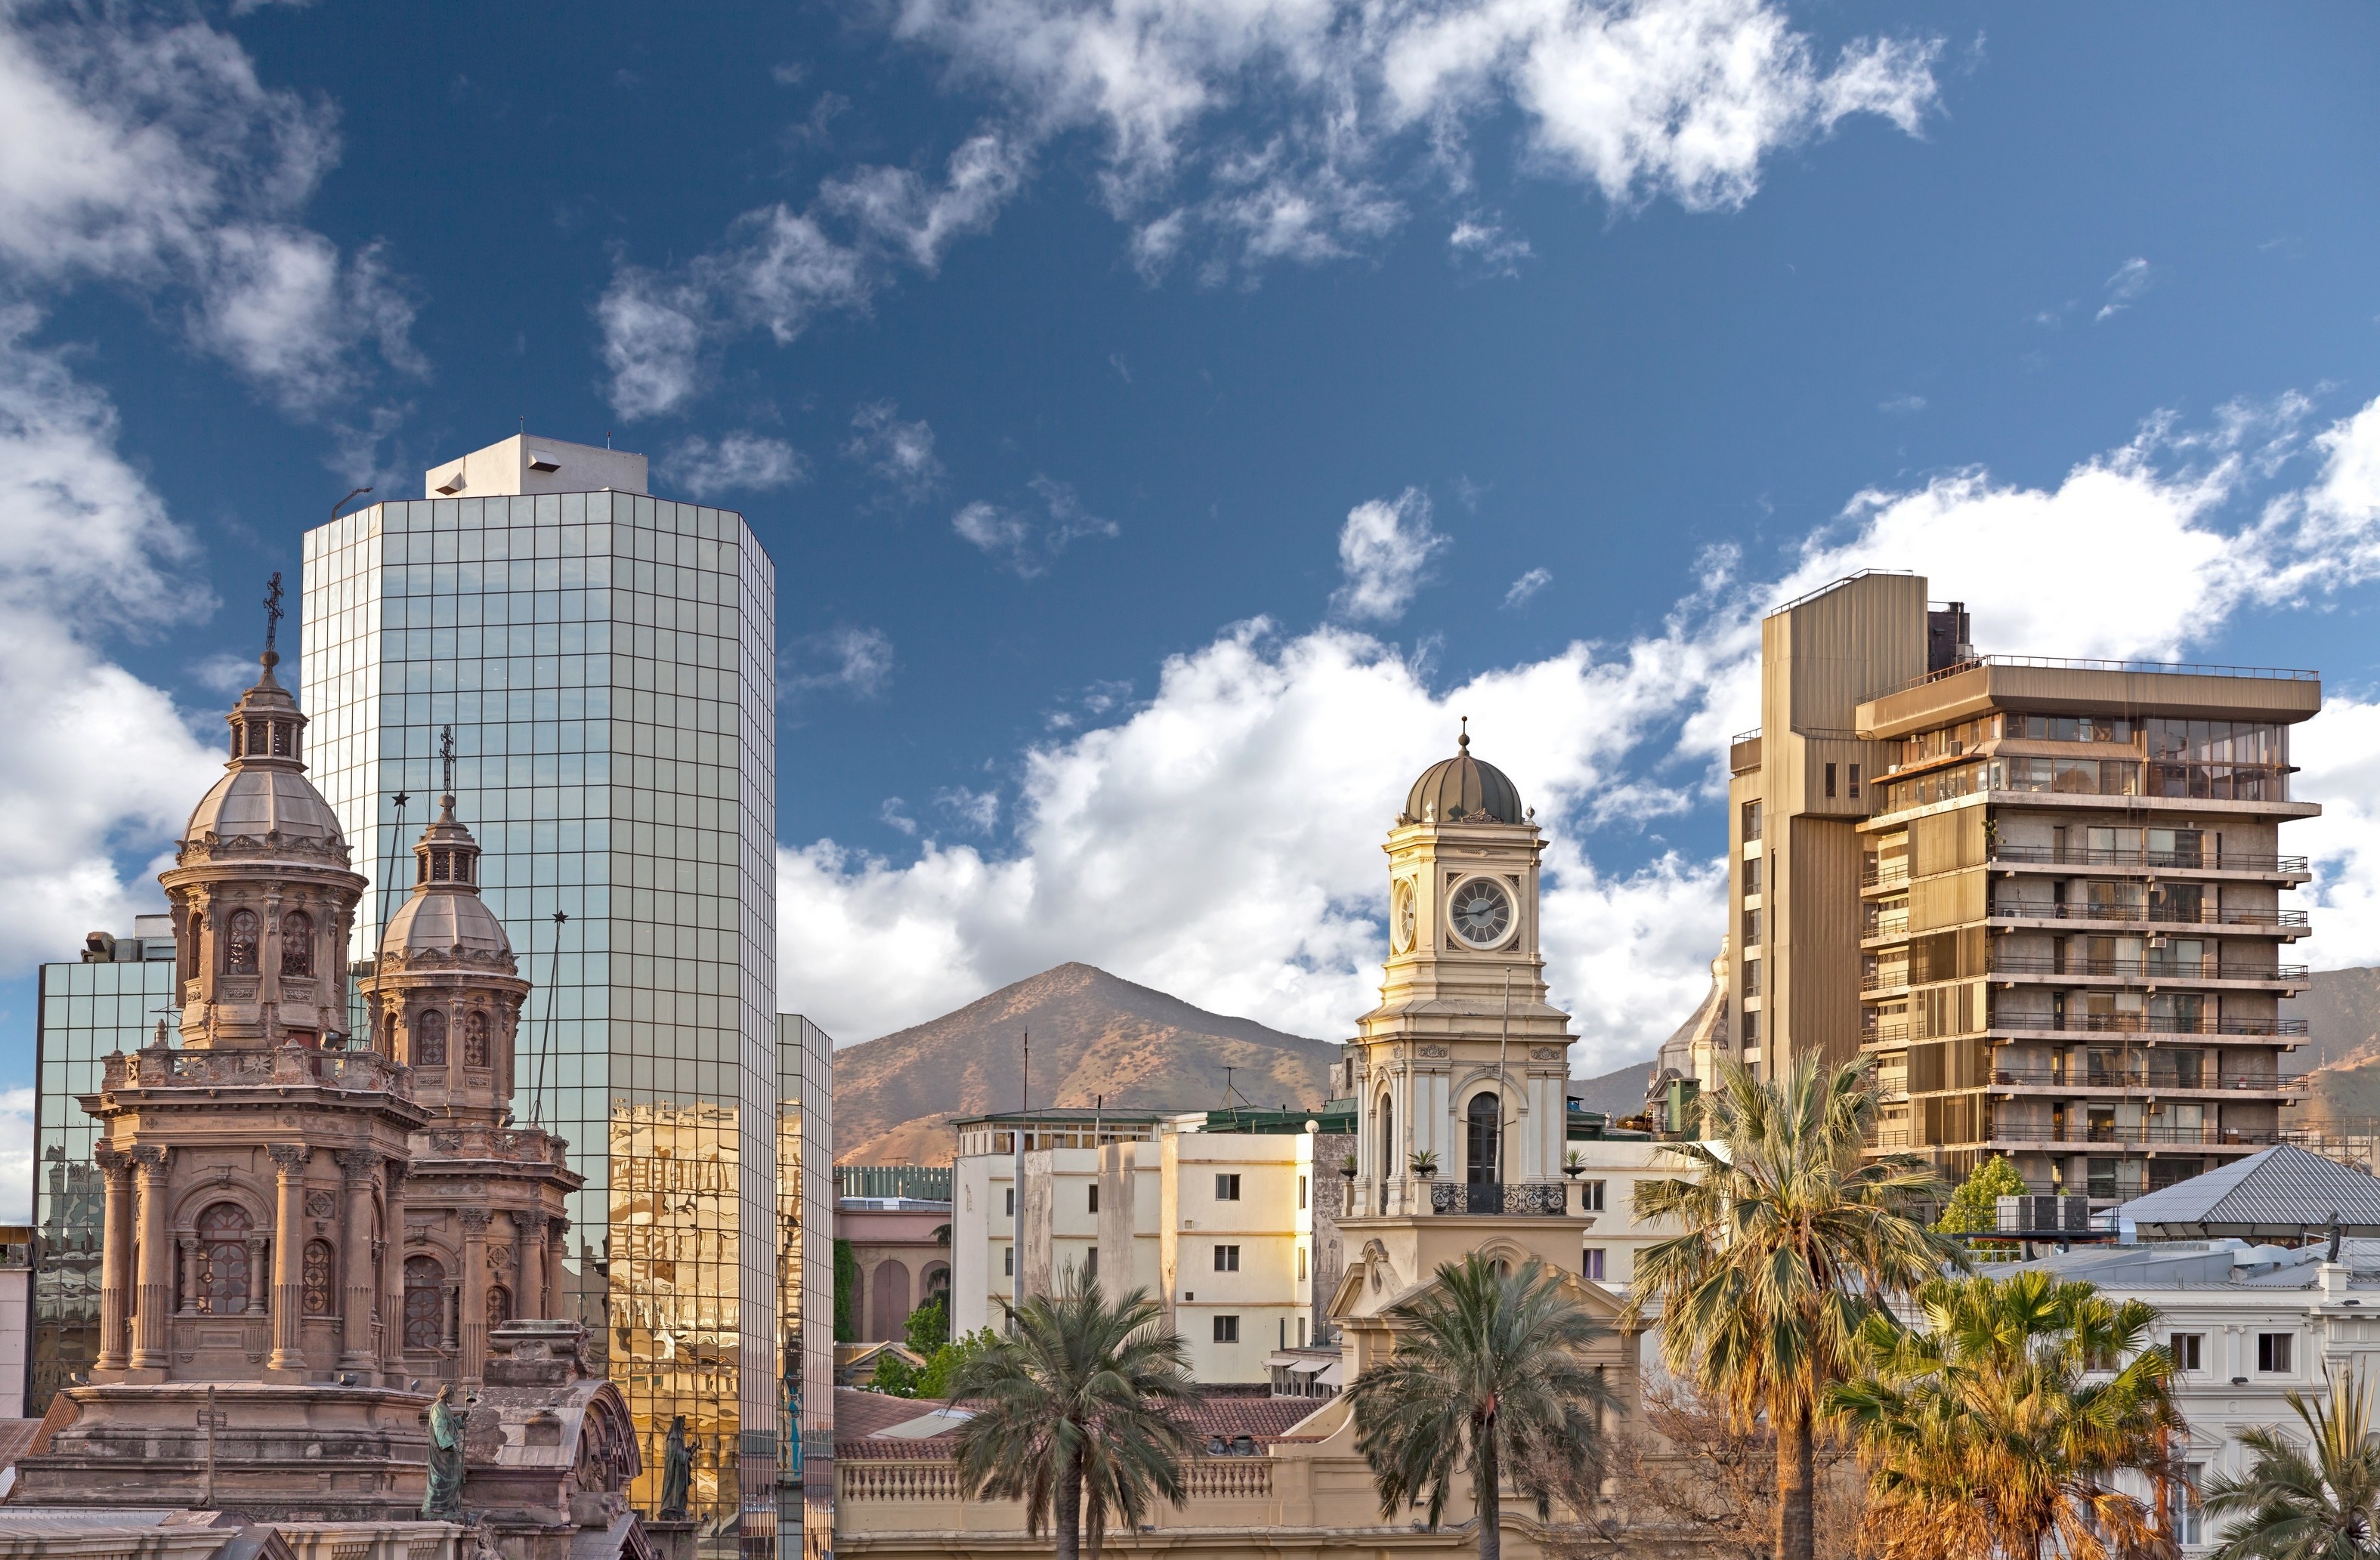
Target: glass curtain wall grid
{"points": [[87, 1012], [607, 662], [805, 1202]]}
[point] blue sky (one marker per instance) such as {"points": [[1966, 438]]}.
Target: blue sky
{"points": [[1167, 417]]}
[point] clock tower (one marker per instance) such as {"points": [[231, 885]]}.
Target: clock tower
{"points": [[1460, 1074]]}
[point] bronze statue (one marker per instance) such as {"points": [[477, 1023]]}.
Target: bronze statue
{"points": [[443, 1500], [677, 1472]]}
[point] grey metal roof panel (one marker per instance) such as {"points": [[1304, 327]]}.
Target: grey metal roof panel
{"points": [[2282, 1186]]}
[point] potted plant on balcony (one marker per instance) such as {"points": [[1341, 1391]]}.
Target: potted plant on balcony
{"points": [[1574, 1164], [1347, 1166], [1423, 1162]]}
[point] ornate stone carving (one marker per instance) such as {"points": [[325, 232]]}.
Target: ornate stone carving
{"points": [[1544, 1053], [150, 1157], [290, 1156], [1437, 1051], [322, 1205], [357, 1163], [475, 1220]]}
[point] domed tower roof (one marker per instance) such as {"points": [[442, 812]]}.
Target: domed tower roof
{"points": [[1463, 790], [445, 912], [264, 794]]}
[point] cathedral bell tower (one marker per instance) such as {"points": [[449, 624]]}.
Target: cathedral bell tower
{"points": [[1460, 1074]]}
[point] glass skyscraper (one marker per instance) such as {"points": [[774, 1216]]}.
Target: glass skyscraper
{"points": [[109, 1001], [806, 1198], [607, 662]]}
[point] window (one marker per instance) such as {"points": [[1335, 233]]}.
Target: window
{"points": [[1388, 1140], [425, 1302], [1091, 1262], [297, 944], [475, 1040], [1227, 1259], [239, 943], [1011, 1208], [223, 1275], [1227, 1329], [1855, 779], [500, 1305], [1752, 820], [2184, 1514], [1008, 1261], [1301, 1195], [1226, 1189], [1590, 1196], [1752, 928], [1591, 1263], [317, 1278], [1751, 875], [430, 1039], [1830, 782], [2186, 1348], [1095, 1197], [1750, 1029], [1301, 1262], [1483, 1132], [2273, 1352], [1282, 1337]]}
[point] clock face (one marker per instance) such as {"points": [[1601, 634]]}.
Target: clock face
{"points": [[1481, 912], [1401, 917]]}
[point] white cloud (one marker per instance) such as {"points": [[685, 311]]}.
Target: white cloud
{"points": [[151, 156], [98, 762], [976, 811], [1486, 250], [900, 454], [1902, 404], [1528, 584], [740, 462], [1239, 135], [2124, 288], [895, 813], [1385, 549], [1024, 543], [17, 1156], [854, 660], [1220, 839]]}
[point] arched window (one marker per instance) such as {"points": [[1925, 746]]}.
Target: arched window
{"points": [[1388, 1140], [474, 1039], [319, 1263], [223, 1286], [239, 943], [297, 944], [425, 1302], [430, 1039], [1482, 1130], [281, 739], [500, 1305]]}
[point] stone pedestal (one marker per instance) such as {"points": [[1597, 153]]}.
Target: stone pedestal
{"points": [[671, 1540]]}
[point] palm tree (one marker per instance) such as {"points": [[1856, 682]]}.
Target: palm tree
{"points": [[1793, 1238], [1991, 1433], [1073, 1412], [1490, 1378], [2297, 1506]]}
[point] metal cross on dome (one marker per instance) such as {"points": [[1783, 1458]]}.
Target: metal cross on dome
{"points": [[447, 757], [272, 609]]}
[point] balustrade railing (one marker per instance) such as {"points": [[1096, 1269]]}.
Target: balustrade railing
{"points": [[2199, 860], [1542, 1197]]}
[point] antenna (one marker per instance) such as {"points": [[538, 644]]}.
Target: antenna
{"points": [[395, 840], [352, 493]]}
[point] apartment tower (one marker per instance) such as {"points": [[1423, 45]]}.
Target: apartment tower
{"points": [[2044, 894], [605, 662]]}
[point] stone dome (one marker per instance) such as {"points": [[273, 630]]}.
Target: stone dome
{"points": [[445, 911], [1463, 790], [264, 790]]}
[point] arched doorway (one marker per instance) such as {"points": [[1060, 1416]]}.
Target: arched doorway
{"points": [[1483, 1138], [890, 1316], [1388, 1140]]}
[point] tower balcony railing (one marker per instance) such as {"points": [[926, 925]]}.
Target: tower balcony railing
{"points": [[2146, 915], [2192, 860], [1549, 1199], [361, 1070]]}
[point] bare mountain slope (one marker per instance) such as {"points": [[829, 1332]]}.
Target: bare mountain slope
{"points": [[1093, 1034]]}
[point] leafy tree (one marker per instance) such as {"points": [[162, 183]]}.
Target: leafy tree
{"points": [[1974, 1208], [2317, 1504], [1793, 1239], [1073, 1412], [1990, 1433], [930, 1325], [945, 1364], [895, 1377], [846, 1293], [1490, 1379]]}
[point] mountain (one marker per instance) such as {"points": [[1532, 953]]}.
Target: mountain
{"points": [[1093, 1036], [2341, 1054], [1615, 1093]]}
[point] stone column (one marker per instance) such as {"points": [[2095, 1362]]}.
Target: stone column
{"points": [[471, 1322], [289, 1259], [557, 1246], [256, 1243], [361, 1167], [155, 1292], [392, 1280], [114, 1258], [528, 1242]]}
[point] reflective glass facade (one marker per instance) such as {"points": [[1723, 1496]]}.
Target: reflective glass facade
{"points": [[607, 661], [805, 1199], [87, 1010]]}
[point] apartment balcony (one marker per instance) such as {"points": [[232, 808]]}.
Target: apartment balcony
{"points": [[2149, 918], [2142, 1080], [1875, 876], [2152, 1028], [2145, 971], [2086, 1136], [2245, 863]]}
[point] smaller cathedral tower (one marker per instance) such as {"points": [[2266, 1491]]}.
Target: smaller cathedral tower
{"points": [[483, 1201]]}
